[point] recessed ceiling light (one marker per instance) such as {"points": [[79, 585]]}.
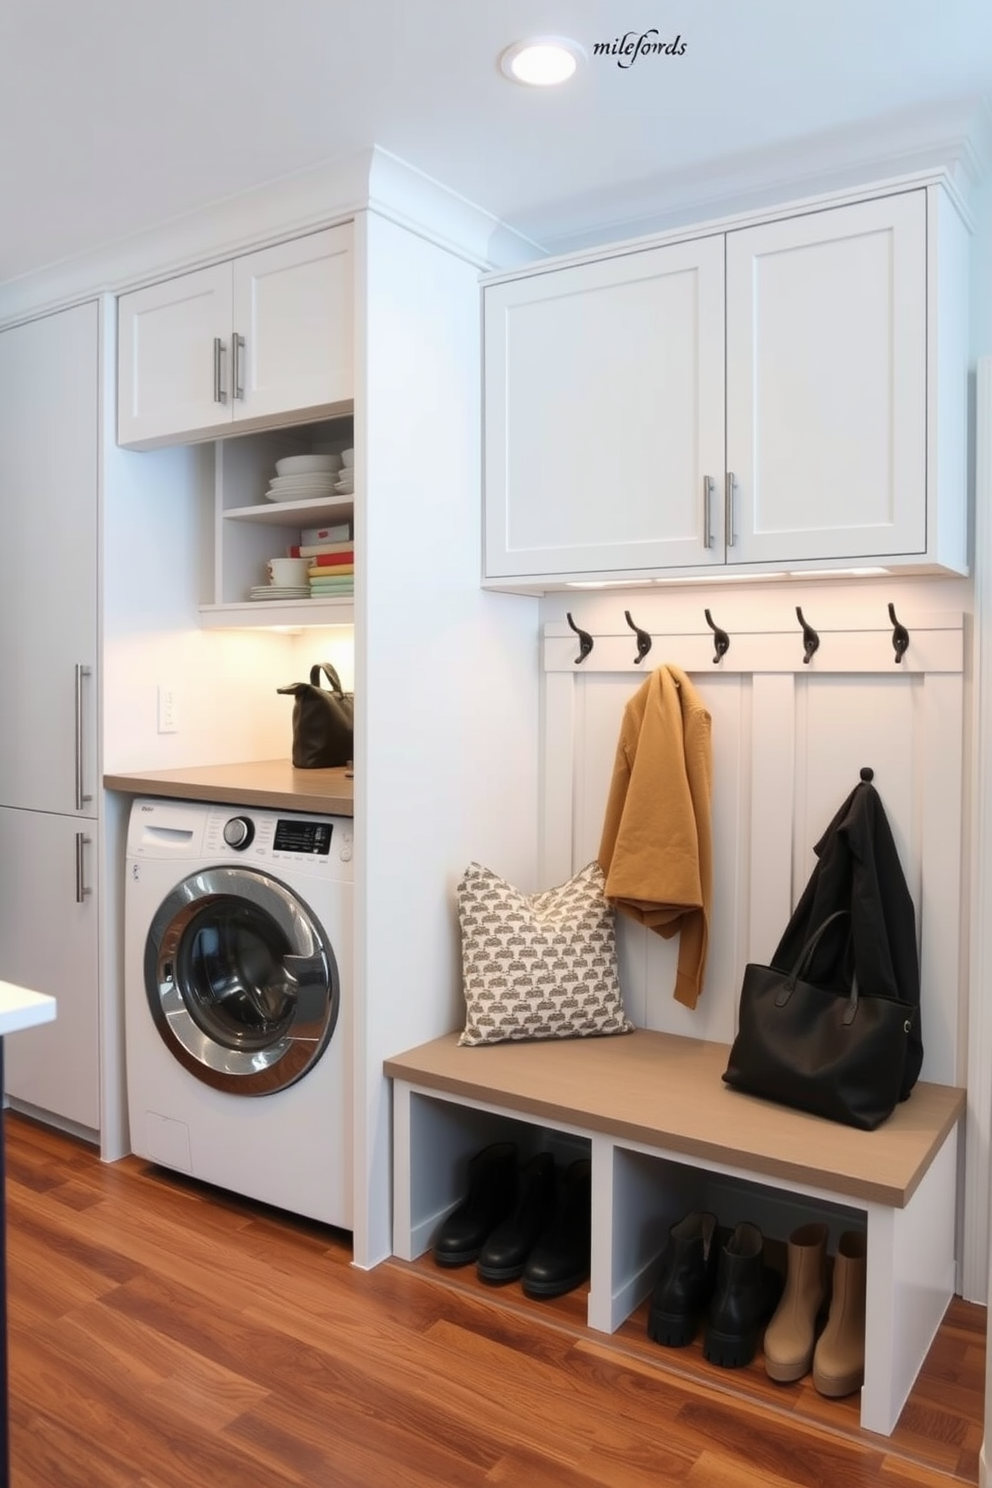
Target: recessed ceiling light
{"points": [[541, 61]]}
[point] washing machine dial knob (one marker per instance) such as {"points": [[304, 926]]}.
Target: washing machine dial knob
{"points": [[238, 832]]}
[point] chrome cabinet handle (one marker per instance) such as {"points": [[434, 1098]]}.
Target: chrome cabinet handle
{"points": [[708, 484], [81, 795], [238, 346], [220, 396], [81, 888], [729, 508]]}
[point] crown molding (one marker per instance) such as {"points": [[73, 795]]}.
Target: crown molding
{"points": [[275, 210], [952, 140], [413, 200]]}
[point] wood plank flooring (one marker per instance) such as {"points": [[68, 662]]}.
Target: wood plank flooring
{"points": [[163, 1334]]}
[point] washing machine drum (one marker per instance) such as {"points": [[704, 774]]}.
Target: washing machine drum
{"points": [[241, 980]]}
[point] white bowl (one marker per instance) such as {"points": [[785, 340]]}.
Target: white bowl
{"points": [[348, 456], [308, 464]]}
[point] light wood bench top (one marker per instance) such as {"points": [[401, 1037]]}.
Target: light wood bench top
{"points": [[664, 1091]]}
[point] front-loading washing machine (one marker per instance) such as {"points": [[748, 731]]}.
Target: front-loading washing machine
{"points": [[238, 1000]]}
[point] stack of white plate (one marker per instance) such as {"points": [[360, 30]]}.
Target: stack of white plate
{"points": [[280, 591], [344, 484], [304, 477]]}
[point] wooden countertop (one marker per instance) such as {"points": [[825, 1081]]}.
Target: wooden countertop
{"points": [[666, 1092], [273, 783]]}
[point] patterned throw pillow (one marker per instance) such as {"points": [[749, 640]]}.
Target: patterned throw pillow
{"points": [[538, 966]]}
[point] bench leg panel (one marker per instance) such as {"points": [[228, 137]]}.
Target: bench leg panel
{"points": [[910, 1282]]}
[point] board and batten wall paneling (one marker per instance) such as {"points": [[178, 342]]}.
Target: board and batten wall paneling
{"points": [[789, 741]]}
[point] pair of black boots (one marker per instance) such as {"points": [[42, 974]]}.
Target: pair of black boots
{"points": [[521, 1223], [719, 1274]]}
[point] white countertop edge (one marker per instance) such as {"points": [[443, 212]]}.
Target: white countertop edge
{"points": [[22, 1008]]}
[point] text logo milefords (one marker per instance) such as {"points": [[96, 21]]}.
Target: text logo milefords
{"points": [[627, 48]]}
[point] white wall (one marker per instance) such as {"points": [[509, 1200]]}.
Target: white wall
{"points": [[446, 676]]}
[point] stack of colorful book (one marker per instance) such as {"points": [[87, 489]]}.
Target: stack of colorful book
{"points": [[331, 551], [332, 569]]}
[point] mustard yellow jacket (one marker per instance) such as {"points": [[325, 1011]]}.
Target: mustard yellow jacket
{"points": [[656, 851]]}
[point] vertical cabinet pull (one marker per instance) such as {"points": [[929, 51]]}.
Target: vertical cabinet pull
{"points": [[237, 376], [220, 396], [81, 795], [81, 888], [708, 511], [729, 512]]}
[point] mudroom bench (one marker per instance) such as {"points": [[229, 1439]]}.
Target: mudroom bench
{"points": [[665, 1135]]}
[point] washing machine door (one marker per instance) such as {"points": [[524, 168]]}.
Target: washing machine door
{"points": [[241, 980]]}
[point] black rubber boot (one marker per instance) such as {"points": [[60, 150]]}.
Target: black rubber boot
{"points": [[686, 1280], [560, 1260], [506, 1250], [747, 1293], [492, 1192]]}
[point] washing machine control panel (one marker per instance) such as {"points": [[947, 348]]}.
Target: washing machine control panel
{"points": [[239, 832], [302, 836], [271, 836]]}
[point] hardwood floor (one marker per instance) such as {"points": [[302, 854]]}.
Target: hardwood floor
{"points": [[164, 1335]]}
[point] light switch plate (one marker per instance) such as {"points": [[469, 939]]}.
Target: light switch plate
{"points": [[168, 722]]}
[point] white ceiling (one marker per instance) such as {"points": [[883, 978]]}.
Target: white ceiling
{"points": [[116, 115]]}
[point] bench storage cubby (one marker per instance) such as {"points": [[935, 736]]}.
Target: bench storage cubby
{"points": [[666, 1136]]}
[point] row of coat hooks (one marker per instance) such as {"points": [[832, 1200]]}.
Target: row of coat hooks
{"points": [[721, 640]]}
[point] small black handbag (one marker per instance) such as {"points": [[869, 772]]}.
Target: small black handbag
{"points": [[837, 1055], [323, 721]]}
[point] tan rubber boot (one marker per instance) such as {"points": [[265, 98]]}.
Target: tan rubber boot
{"points": [[791, 1334], [839, 1359]]}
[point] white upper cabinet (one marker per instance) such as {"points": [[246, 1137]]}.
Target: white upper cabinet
{"points": [[604, 414], [250, 342], [786, 395], [173, 341], [827, 384]]}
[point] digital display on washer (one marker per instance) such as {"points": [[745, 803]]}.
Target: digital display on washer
{"points": [[303, 837]]}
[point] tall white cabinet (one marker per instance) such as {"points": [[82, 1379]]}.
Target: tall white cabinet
{"points": [[49, 782]]}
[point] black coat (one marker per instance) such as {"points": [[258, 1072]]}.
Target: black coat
{"points": [[858, 869]]}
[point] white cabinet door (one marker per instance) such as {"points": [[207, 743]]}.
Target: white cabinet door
{"points": [[174, 357], [294, 319], [604, 416], [244, 342], [826, 384], [48, 941], [48, 600]]}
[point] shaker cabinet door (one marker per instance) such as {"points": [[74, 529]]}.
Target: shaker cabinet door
{"points": [[294, 323], [604, 421], [49, 420], [826, 384], [48, 941], [174, 357]]}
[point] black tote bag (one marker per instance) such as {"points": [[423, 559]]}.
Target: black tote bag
{"points": [[323, 721], [842, 1056]]}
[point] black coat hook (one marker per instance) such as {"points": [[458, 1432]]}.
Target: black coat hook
{"points": [[721, 640], [900, 635], [585, 640], [643, 639], [811, 640]]}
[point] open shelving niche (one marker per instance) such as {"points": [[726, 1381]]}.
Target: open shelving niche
{"points": [[248, 529]]}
